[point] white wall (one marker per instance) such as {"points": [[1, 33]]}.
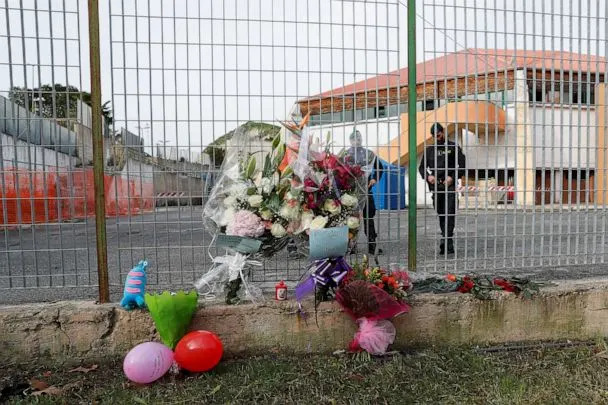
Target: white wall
{"points": [[494, 151], [564, 136], [30, 156]]}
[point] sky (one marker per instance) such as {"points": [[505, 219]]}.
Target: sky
{"points": [[184, 72]]}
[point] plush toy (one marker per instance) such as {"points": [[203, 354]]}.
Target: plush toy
{"points": [[135, 286]]}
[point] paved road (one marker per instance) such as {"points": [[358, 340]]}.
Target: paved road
{"points": [[37, 263]]}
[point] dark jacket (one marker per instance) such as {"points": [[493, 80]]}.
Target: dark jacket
{"points": [[365, 157], [441, 161]]}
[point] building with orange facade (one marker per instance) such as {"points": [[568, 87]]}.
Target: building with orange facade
{"points": [[531, 123]]}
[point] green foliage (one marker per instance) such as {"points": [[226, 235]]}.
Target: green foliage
{"points": [[56, 101], [274, 203], [260, 130]]}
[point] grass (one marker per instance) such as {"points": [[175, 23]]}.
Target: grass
{"points": [[574, 375]]}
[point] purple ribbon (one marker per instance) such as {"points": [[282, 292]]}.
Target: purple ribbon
{"points": [[324, 272]]}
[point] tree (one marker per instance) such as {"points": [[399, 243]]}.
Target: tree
{"points": [[56, 101], [217, 149]]}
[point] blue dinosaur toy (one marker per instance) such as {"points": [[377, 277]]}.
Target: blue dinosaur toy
{"points": [[135, 285]]}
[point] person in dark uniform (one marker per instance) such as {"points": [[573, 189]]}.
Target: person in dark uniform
{"points": [[368, 160], [443, 163]]}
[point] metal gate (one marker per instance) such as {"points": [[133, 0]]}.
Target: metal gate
{"points": [[518, 86]]}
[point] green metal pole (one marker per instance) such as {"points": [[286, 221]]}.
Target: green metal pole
{"points": [[411, 111], [98, 169]]}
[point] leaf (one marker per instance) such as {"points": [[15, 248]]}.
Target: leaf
{"points": [[52, 390], [250, 168], [276, 141], [38, 385], [215, 390], [279, 156], [140, 401], [84, 369], [172, 314], [287, 172], [267, 172], [274, 203]]}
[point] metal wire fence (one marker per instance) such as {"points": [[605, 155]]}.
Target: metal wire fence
{"points": [[517, 86]]}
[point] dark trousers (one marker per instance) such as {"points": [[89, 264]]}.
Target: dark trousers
{"points": [[444, 202], [369, 227]]}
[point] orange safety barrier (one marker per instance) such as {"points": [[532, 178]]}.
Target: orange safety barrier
{"points": [[67, 195]]}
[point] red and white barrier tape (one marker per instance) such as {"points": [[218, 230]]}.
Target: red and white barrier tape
{"points": [[491, 188]]}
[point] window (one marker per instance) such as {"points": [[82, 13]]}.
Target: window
{"points": [[382, 112], [349, 116], [365, 114], [428, 105]]}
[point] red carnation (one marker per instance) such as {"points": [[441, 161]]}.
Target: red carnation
{"points": [[505, 285], [467, 285]]}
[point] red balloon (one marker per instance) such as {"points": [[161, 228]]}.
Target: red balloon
{"points": [[199, 351]]}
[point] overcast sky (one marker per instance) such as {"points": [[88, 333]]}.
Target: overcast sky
{"points": [[192, 70]]}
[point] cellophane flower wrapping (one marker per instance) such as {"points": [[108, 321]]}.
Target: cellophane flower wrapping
{"points": [[248, 200], [329, 191], [249, 194], [374, 336]]}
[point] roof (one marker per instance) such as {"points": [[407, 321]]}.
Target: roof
{"points": [[476, 61]]}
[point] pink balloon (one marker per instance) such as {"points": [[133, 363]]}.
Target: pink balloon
{"points": [[147, 362]]}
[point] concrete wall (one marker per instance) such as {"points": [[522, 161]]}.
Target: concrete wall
{"points": [[170, 182], [22, 155], [564, 136], [575, 311]]}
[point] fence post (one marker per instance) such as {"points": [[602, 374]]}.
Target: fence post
{"points": [[411, 111], [98, 169]]}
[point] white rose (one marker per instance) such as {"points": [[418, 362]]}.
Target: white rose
{"points": [[227, 217], [318, 222], [332, 207], [255, 200], [348, 200], [305, 220], [352, 222], [230, 201], [290, 210], [258, 179], [278, 231], [266, 215]]}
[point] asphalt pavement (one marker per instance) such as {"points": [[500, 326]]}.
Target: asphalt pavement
{"points": [[49, 262]]}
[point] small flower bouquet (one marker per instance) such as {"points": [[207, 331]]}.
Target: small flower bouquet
{"points": [[372, 296], [482, 287]]}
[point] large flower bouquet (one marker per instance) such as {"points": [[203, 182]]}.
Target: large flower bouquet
{"points": [[326, 190], [268, 195], [372, 296]]}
